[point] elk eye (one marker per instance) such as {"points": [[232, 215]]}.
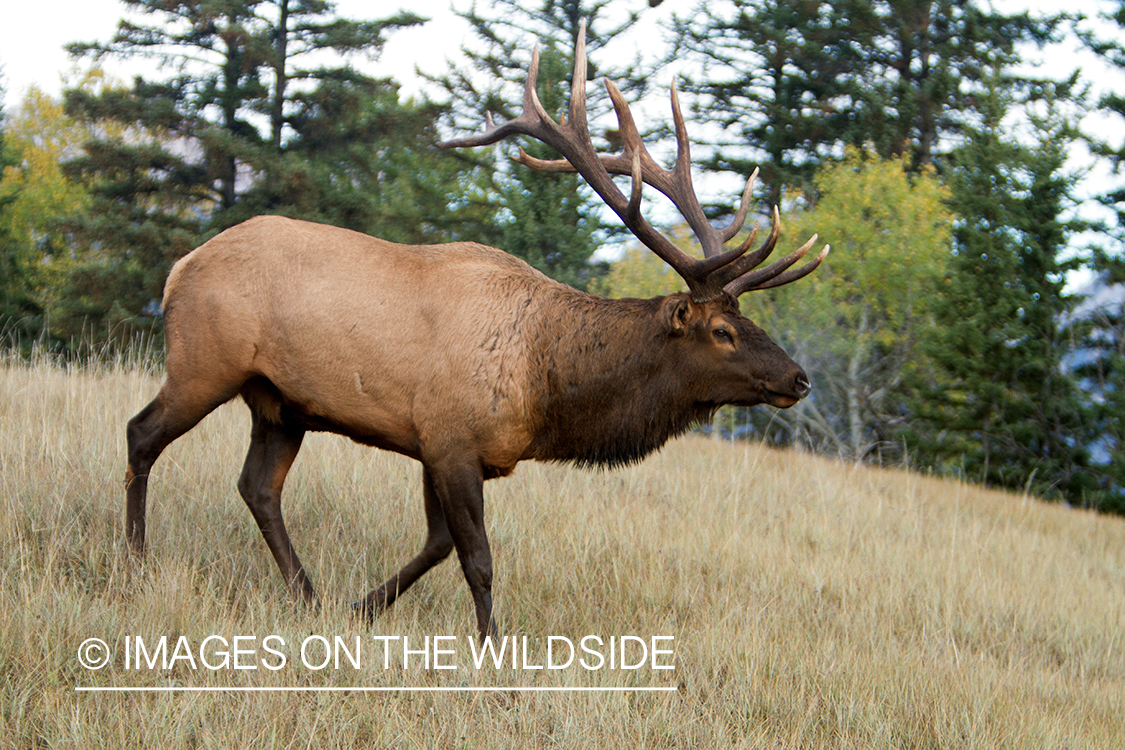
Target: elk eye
{"points": [[723, 334]]}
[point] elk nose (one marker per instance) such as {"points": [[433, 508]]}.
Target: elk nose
{"points": [[801, 385]]}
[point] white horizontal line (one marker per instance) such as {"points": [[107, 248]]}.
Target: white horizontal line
{"points": [[408, 689]]}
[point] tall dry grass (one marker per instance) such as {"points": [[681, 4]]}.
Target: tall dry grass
{"points": [[813, 603]]}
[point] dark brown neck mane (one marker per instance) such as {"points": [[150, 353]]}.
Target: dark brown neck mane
{"points": [[613, 394]]}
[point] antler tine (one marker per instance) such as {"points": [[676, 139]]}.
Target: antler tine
{"points": [[749, 262], [719, 272], [577, 109], [778, 273], [743, 210], [573, 142], [795, 273], [683, 145], [543, 165], [685, 198], [533, 121]]}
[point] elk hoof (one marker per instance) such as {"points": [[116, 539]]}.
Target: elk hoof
{"points": [[365, 609]]}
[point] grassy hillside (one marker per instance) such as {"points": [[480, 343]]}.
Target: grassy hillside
{"points": [[813, 603]]}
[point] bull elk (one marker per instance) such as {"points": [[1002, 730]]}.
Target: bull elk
{"points": [[461, 356]]}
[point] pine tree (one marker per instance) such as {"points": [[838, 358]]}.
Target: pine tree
{"points": [[777, 77], [920, 79], [1098, 362], [792, 81], [1099, 323], [1000, 408], [253, 118], [234, 60], [1112, 51]]}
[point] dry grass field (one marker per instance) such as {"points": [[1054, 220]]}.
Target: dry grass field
{"points": [[813, 604]]}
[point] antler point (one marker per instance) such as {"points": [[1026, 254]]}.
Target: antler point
{"points": [[571, 138]]}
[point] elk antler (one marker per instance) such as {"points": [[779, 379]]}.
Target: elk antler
{"points": [[720, 271]]}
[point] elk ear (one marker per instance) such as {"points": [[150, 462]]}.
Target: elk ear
{"points": [[679, 313]]}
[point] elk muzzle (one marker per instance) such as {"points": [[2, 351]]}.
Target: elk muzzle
{"points": [[787, 391]]}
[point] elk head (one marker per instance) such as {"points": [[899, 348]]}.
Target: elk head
{"points": [[733, 359], [744, 366]]}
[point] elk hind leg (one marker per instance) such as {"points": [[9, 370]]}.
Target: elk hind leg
{"points": [[165, 418], [437, 547], [273, 448]]}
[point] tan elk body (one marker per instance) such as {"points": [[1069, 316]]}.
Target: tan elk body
{"points": [[390, 344], [458, 355]]}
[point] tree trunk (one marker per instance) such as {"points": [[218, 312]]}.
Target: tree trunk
{"points": [[277, 114], [855, 366]]}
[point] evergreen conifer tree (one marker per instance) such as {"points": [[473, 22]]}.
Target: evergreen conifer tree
{"points": [[247, 119], [792, 81], [1001, 408]]}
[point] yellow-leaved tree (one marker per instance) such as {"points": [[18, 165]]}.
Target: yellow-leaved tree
{"points": [[37, 193], [854, 323]]}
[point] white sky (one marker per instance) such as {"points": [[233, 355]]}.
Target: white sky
{"points": [[33, 34]]}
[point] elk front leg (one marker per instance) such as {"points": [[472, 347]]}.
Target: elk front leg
{"points": [[273, 448], [438, 545], [460, 489]]}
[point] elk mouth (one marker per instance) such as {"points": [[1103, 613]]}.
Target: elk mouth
{"points": [[767, 396], [792, 393], [780, 400]]}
